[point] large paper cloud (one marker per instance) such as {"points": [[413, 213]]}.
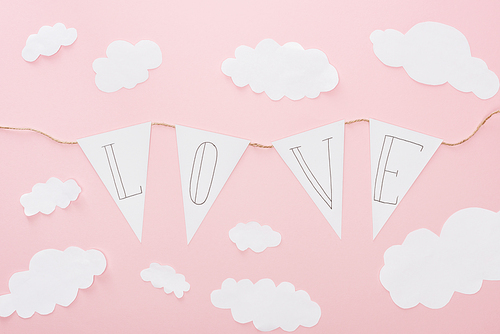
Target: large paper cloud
{"points": [[286, 70], [54, 277], [254, 236], [166, 278], [428, 269], [48, 41], [433, 54], [126, 65], [267, 305], [44, 197]]}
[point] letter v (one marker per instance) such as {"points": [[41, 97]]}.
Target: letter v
{"points": [[320, 173], [327, 197]]}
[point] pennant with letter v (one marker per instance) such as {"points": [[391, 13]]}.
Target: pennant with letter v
{"points": [[397, 156], [206, 161], [120, 158], [316, 158]]}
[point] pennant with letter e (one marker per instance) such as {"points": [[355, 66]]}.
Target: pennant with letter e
{"points": [[398, 156], [120, 158], [316, 158], [206, 161]]}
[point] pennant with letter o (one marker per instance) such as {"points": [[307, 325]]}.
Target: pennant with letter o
{"points": [[206, 161]]}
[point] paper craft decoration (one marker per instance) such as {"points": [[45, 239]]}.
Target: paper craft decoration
{"points": [[398, 156], [126, 65], [206, 160], [120, 158], [44, 197], [266, 305], [254, 236], [166, 278], [434, 53], [48, 41], [286, 70], [428, 269], [54, 277], [316, 158]]}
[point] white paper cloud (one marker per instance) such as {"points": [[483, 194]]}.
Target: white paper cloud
{"points": [[434, 53], [48, 41], [428, 269], [286, 70], [126, 65], [166, 278], [44, 197], [254, 236], [54, 277], [268, 306]]}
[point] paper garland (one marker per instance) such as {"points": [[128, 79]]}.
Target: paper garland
{"points": [[111, 174], [207, 159]]}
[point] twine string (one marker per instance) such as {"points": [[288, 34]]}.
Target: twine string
{"points": [[40, 132], [163, 124], [475, 131], [357, 120], [257, 145]]}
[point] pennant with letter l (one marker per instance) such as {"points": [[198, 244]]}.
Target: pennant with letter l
{"points": [[120, 158], [206, 161], [316, 158], [398, 156]]}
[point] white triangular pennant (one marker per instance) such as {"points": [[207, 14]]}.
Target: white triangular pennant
{"points": [[120, 158], [316, 158], [398, 156], [206, 161]]}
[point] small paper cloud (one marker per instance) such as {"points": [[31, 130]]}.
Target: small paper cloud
{"points": [[428, 269], [286, 70], [44, 197], [126, 65], [166, 278], [254, 236], [48, 41], [434, 53], [267, 305], [54, 277]]}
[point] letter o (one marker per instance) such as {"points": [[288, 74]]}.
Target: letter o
{"points": [[202, 173]]}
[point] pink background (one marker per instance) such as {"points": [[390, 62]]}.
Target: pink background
{"points": [[58, 95]]}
